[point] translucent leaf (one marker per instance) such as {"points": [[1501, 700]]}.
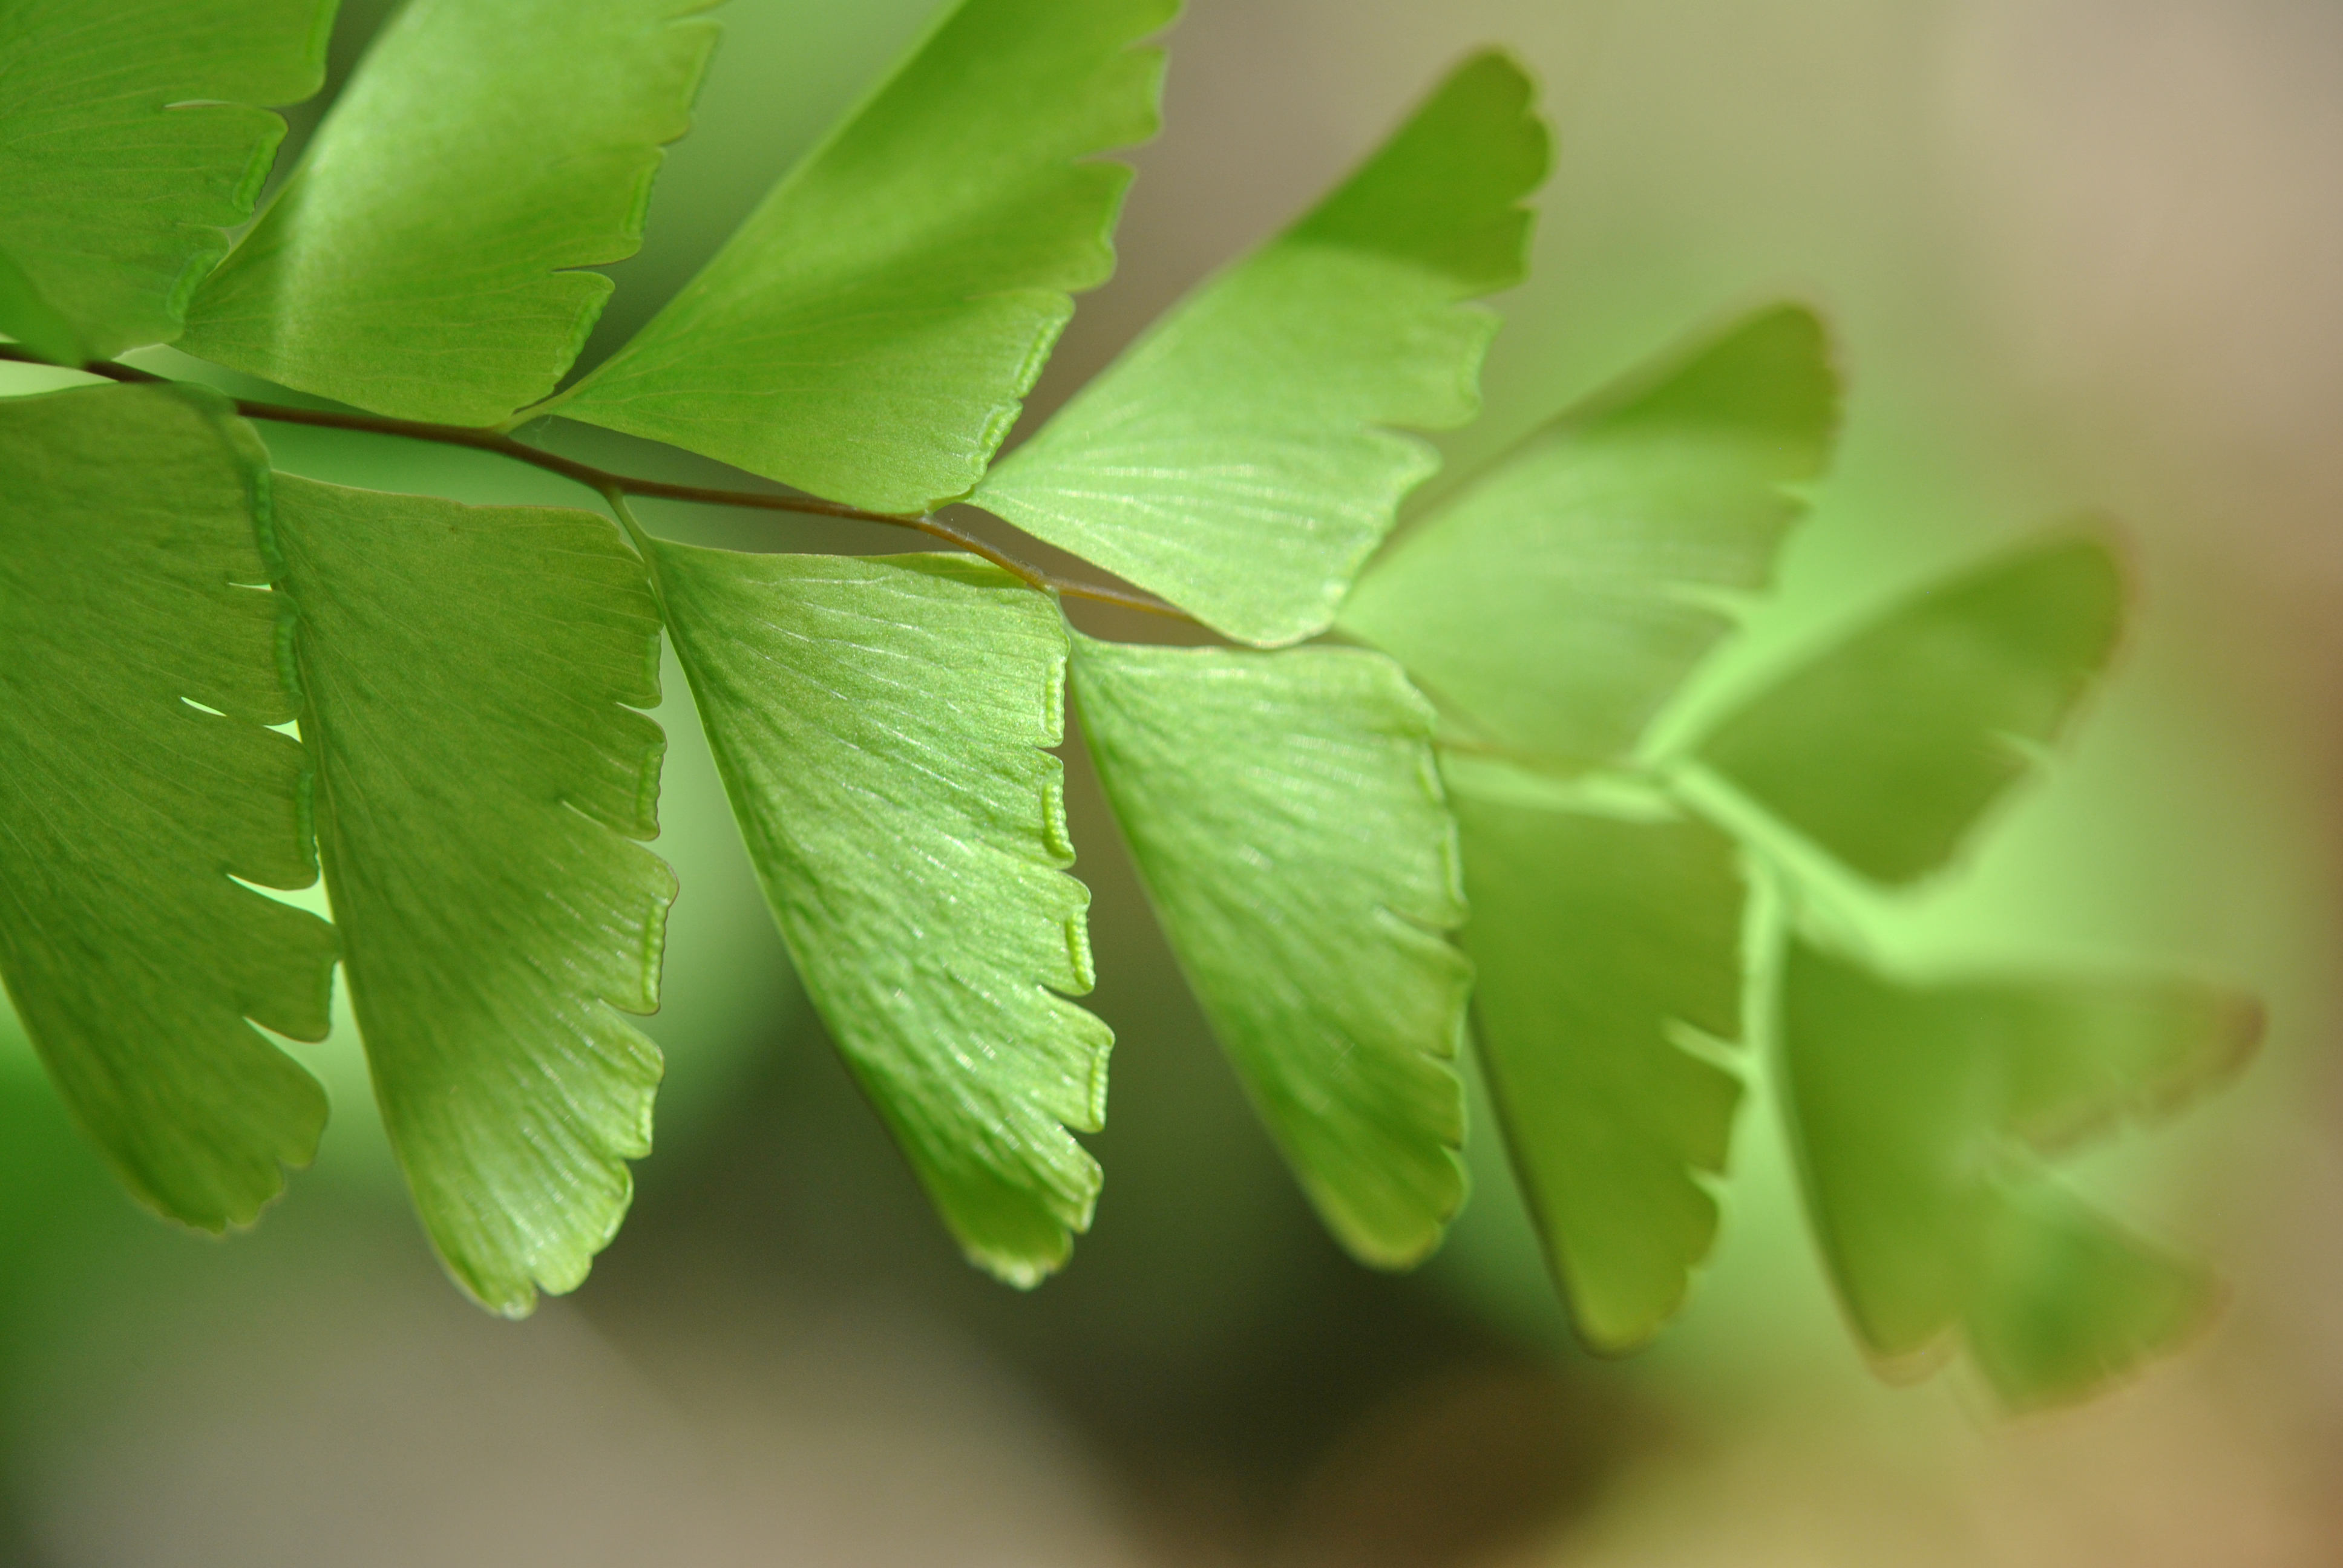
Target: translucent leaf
{"points": [[1597, 940], [1241, 459], [468, 676], [2068, 1303], [1922, 1115], [138, 669], [1887, 747], [1559, 599], [128, 142], [416, 262], [880, 726], [871, 332], [1286, 816]]}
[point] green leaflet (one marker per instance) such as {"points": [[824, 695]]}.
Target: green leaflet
{"points": [[414, 264], [1556, 602], [128, 142], [1887, 747], [1239, 459], [468, 675], [133, 535], [1595, 939], [880, 725], [2066, 1302], [870, 332], [1922, 1115], [1286, 815]]}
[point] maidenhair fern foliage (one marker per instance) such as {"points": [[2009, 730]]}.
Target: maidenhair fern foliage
{"points": [[1443, 824]]}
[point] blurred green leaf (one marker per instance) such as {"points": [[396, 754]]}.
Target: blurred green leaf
{"points": [[1887, 747], [128, 142], [1559, 599], [1595, 939], [138, 667], [418, 262], [2066, 1302], [467, 677], [1239, 458], [871, 332], [1286, 816], [880, 726], [1922, 1115]]}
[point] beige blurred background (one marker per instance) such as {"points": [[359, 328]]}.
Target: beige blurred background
{"points": [[2081, 254]]}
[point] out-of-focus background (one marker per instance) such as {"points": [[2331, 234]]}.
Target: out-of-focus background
{"points": [[2081, 254]]}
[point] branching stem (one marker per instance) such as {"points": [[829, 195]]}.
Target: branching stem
{"points": [[607, 483]]}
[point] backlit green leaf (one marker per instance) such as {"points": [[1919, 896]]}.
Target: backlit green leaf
{"points": [[468, 676], [2066, 1302], [139, 663], [880, 726], [1888, 747], [1558, 600], [128, 140], [1597, 940], [1244, 458], [418, 263], [871, 332], [1286, 815], [1922, 1114]]}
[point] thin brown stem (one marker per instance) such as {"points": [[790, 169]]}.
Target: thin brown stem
{"points": [[605, 482]]}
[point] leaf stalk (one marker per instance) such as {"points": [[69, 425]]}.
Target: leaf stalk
{"points": [[607, 483]]}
